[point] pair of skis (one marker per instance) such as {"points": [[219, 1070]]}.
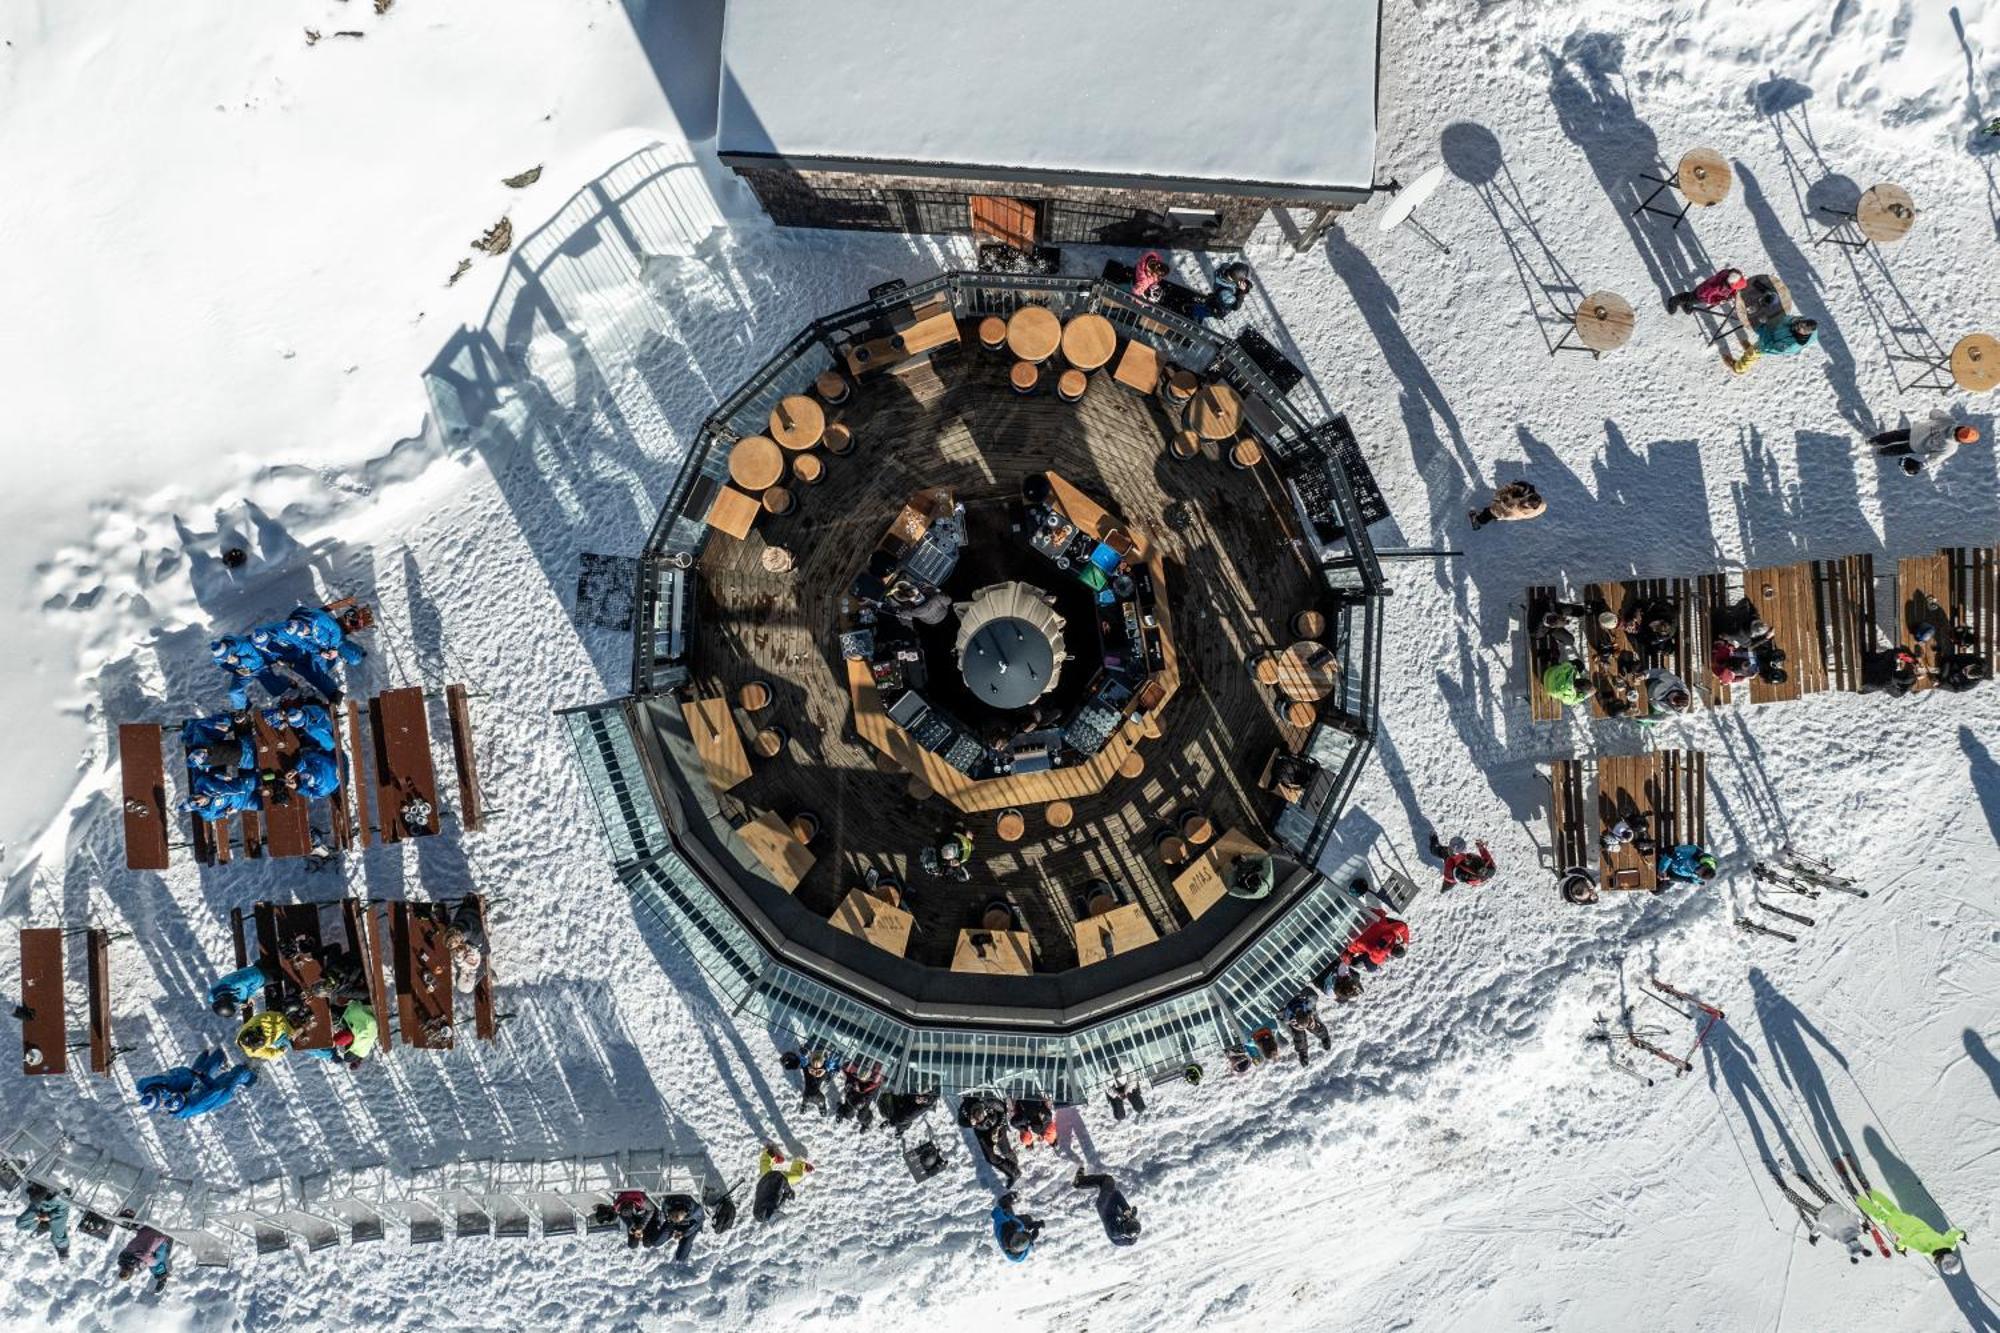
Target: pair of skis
{"points": [[1843, 1164], [1642, 1038], [1795, 873]]}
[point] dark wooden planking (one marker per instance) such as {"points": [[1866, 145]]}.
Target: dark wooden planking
{"points": [[45, 1028], [484, 1023], [142, 768], [471, 812], [403, 766], [98, 961]]}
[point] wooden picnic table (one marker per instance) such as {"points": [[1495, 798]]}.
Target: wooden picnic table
{"points": [[1627, 787], [423, 976], [717, 741], [1885, 214], [771, 839], [287, 822], [755, 462], [97, 944], [1088, 341], [797, 422], [45, 1029], [288, 939], [458, 706], [1118, 931], [867, 917], [1206, 882], [1923, 582], [403, 766], [142, 769], [1975, 362], [1033, 333], [1703, 177], [1009, 953], [1215, 411], [1785, 599], [1617, 598], [1307, 671]]}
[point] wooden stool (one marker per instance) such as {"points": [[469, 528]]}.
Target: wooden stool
{"points": [[1173, 850], [886, 890], [808, 468], [770, 742], [1059, 814], [1025, 376], [832, 386], [1300, 714], [1186, 444], [1264, 668], [805, 826], [1102, 899], [1071, 384], [998, 917], [919, 789], [1134, 765], [778, 502], [1196, 828], [1010, 826], [839, 440], [755, 695], [1181, 385], [1246, 454], [1308, 625], [993, 333], [885, 763]]}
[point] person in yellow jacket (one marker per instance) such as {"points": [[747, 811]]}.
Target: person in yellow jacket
{"points": [[267, 1036]]}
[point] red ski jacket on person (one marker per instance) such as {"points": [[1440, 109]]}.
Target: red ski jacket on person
{"points": [[1376, 939], [1468, 867], [1718, 288]]}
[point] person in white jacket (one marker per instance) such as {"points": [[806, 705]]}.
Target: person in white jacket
{"points": [[1823, 1216], [1939, 440]]}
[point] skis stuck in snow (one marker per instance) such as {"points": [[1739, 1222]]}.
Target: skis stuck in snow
{"points": [[1643, 1038]]}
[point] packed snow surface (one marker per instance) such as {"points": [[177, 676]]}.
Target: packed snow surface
{"points": [[228, 249]]}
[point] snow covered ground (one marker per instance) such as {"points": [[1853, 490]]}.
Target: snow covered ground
{"points": [[235, 247]]}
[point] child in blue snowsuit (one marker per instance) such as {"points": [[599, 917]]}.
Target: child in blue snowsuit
{"points": [[185, 1093], [311, 722], [230, 993], [314, 774], [1687, 864], [309, 641], [245, 663], [216, 797]]}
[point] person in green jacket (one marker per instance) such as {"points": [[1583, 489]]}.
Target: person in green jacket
{"points": [[355, 1033], [1567, 683], [1913, 1233]]}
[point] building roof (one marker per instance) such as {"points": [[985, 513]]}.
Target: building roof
{"points": [[1120, 92]]}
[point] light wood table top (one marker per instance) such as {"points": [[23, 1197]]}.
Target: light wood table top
{"points": [[1088, 341], [1139, 368], [1215, 412], [1006, 953], [1206, 882], [782, 854], [756, 462], [1118, 931], [1886, 214], [867, 917], [797, 422], [717, 741], [1604, 321], [733, 512], [1034, 332], [1975, 362], [1704, 177], [1307, 671], [928, 329]]}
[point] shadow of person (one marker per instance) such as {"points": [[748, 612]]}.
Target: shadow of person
{"points": [[1727, 1057], [1982, 1055], [1791, 1038], [1985, 777], [1901, 1182]]}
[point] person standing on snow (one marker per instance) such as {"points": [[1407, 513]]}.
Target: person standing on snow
{"points": [[1788, 338], [1121, 1219], [774, 1182], [1824, 1217], [148, 1249], [680, 1220], [1514, 502], [1302, 1017], [1712, 291], [1462, 866], [1942, 435], [1016, 1232], [1383, 938]]}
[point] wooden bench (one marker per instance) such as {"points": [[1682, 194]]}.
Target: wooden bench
{"points": [[484, 1022], [1924, 581], [97, 944], [917, 333], [1681, 801], [1569, 831], [1975, 596], [471, 810], [1607, 647], [44, 1028], [368, 944], [422, 968], [1787, 599], [403, 767], [1542, 706], [142, 768], [1847, 616], [1711, 604], [358, 776], [1628, 788]]}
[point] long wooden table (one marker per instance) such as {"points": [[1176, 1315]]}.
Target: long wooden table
{"points": [[1118, 931], [1605, 676], [1206, 882], [867, 917], [288, 938], [45, 1029], [403, 765], [1921, 580], [1627, 788], [423, 976], [1785, 600], [1007, 953], [783, 855], [917, 332], [142, 769]]}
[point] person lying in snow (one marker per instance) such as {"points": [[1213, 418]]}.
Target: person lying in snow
{"points": [[1016, 1232], [1121, 1219], [813, 1074], [185, 1092], [986, 1116], [1687, 863], [151, 1250], [1462, 866], [775, 1181], [47, 1212], [899, 1109]]}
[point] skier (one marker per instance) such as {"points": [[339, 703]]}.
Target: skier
{"points": [[1302, 1017], [1687, 863], [1514, 502], [636, 1209], [900, 1108], [1937, 443], [1121, 1219], [185, 1092], [231, 992], [1035, 1119], [147, 1249], [680, 1220], [858, 1101], [1461, 866], [267, 1036], [1788, 338], [774, 1182], [1383, 938], [46, 1211], [1824, 1217], [1908, 1233], [1715, 290], [1016, 1232]]}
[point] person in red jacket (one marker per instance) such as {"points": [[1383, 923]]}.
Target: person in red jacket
{"points": [[1718, 288], [1381, 939], [1461, 866]]}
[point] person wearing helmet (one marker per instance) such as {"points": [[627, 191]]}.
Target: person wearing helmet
{"points": [[267, 1036], [1121, 1219], [1714, 290], [1785, 338], [151, 1250], [1939, 439], [1912, 1233], [230, 993], [774, 1182], [1016, 1232], [1687, 863]]}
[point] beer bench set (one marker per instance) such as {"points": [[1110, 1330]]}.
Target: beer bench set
{"points": [[43, 1010], [289, 945], [391, 759], [1661, 796]]}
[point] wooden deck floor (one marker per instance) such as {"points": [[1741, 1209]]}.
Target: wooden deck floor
{"points": [[1234, 580]]}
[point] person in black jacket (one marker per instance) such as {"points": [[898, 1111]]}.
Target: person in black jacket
{"points": [[986, 1117], [1121, 1219], [861, 1083], [636, 1209], [680, 1220], [813, 1074], [774, 1182], [900, 1108]]}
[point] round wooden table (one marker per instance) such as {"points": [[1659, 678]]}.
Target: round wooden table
{"points": [[1307, 670], [1704, 177], [1245, 454], [1604, 321], [886, 763], [1010, 826], [993, 333], [797, 422], [839, 440], [775, 560], [1059, 814], [778, 502], [754, 696], [832, 386], [808, 468], [919, 789], [1034, 333], [1088, 341], [756, 462], [1071, 384], [1885, 214], [1215, 412], [1102, 901], [1173, 849], [1975, 362], [1264, 668], [1024, 375]]}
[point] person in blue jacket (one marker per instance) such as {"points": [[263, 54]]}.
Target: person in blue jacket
{"points": [[225, 757], [1016, 1232], [311, 642], [46, 1211], [185, 1093], [680, 1220], [312, 723], [231, 992], [314, 774], [243, 663], [1687, 863], [216, 798], [206, 730]]}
